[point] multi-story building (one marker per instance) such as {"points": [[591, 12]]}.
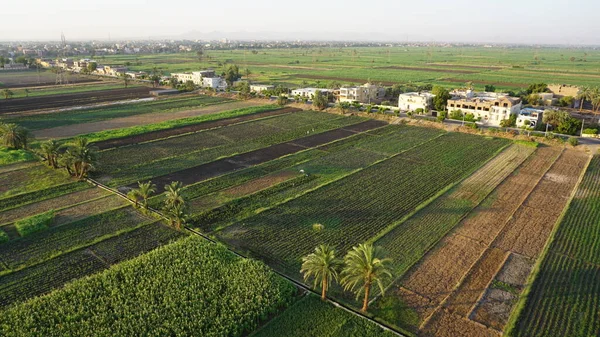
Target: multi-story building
{"points": [[489, 108], [412, 101], [194, 76], [216, 83], [309, 92], [258, 88], [366, 93], [529, 117]]}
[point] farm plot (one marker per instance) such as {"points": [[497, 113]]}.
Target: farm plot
{"points": [[54, 273], [30, 179], [72, 99], [354, 209], [563, 299], [312, 317], [429, 282], [228, 296], [37, 121], [22, 79], [22, 199], [46, 244], [410, 240], [153, 159]]}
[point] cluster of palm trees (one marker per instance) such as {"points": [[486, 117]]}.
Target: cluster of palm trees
{"points": [[591, 94], [362, 268], [78, 157], [174, 207], [14, 136]]}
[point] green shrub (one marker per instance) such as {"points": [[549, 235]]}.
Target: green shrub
{"points": [[419, 110], [35, 223], [3, 236], [573, 141], [590, 131]]}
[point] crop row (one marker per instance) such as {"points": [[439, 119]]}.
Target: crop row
{"points": [[409, 241], [312, 317], [354, 209], [191, 287], [29, 179], [43, 245], [564, 297], [41, 194]]}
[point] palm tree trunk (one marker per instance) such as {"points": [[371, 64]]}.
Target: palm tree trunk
{"points": [[324, 290], [366, 300], [581, 104]]}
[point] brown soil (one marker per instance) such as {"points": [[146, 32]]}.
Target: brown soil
{"points": [[471, 289], [259, 184], [516, 270], [153, 135], [70, 100], [503, 84], [46, 205], [526, 233], [45, 79], [447, 324], [87, 209], [144, 119], [452, 71], [486, 221], [494, 308]]}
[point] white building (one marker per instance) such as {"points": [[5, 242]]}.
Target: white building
{"points": [[529, 117], [412, 101], [309, 92], [366, 93], [258, 88], [194, 76], [490, 108], [216, 83]]}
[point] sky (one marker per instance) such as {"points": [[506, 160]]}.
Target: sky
{"points": [[493, 21]]}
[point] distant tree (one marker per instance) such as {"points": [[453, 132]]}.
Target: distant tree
{"points": [[566, 101], [562, 122], [244, 90], [510, 122], [535, 99], [442, 95], [469, 85], [322, 266], [82, 155], [143, 192], [173, 194], [365, 266], [320, 100], [536, 88], [22, 60], [585, 93], [14, 136], [596, 102], [50, 150], [125, 77], [91, 67], [572, 58], [490, 88], [27, 91], [177, 215], [200, 54], [343, 106], [282, 100], [7, 93], [189, 86], [247, 73], [231, 74]]}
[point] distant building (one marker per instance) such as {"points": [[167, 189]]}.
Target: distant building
{"points": [[194, 76], [216, 83], [366, 93], [309, 92], [412, 101], [258, 88], [529, 117], [488, 107], [137, 74]]}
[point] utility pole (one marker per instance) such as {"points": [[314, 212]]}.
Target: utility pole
{"points": [[582, 124]]}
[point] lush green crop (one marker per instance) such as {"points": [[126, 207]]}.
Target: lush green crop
{"points": [[313, 317], [11, 156], [31, 178], [563, 300], [42, 194], [35, 223], [3, 236], [41, 246], [191, 287], [361, 205]]}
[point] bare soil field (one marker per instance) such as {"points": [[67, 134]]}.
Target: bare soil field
{"points": [[71, 100], [452, 71], [87, 209], [144, 119], [258, 184], [24, 79], [55, 203], [448, 324], [154, 135]]}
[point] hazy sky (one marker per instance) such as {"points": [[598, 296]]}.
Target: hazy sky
{"points": [[527, 21]]}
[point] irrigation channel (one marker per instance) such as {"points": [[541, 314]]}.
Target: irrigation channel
{"points": [[296, 283]]}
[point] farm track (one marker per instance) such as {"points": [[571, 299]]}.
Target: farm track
{"points": [[221, 166], [70, 100], [468, 285], [154, 135], [439, 272], [69, 131]]}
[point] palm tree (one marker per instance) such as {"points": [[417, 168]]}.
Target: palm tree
{"points": [[173, 194], [50, 150], [596, 102], [125, 78], [144, 191], [365, 266], [7, 93], [83, 156], [584, 93], [177, 214], [323, 266], [14, 136]]}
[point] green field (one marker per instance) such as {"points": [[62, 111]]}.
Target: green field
{"points": [[563, 300], [67, 89], [506, 67]]}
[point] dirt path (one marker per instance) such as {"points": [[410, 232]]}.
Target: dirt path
{"points": [[144, 119]]}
